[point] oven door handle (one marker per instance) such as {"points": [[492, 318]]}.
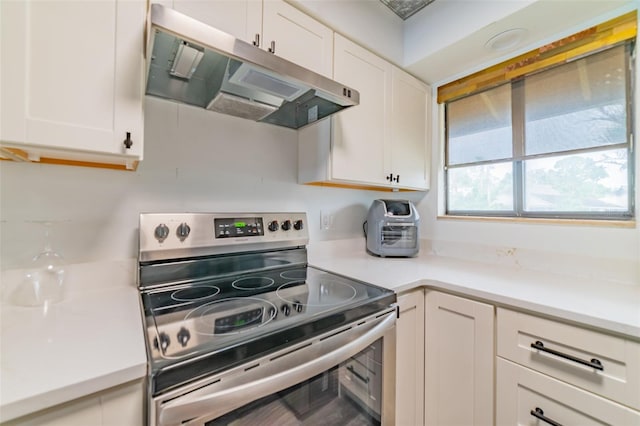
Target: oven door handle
{"points": [[287, 371]]}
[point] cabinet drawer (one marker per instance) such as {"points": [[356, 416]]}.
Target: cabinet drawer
{"points": [[561, 348], [522, 391]]}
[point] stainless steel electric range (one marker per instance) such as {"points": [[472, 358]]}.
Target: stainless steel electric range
{"points": [[239, 327]]}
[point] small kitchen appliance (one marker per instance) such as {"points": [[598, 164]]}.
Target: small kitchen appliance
{"points": [[391, 228], [240, 330]]}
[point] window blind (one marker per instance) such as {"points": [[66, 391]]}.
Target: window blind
{"points": [[564, 50]]}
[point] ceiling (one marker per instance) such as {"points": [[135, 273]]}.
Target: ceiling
{"points": [[452, 38], [453, 54]]}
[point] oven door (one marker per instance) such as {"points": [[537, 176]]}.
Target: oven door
{"points": [[347, 373]]}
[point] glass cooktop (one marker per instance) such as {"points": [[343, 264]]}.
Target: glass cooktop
{"points": [[213, 324]]}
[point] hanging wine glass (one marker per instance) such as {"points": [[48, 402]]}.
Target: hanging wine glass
{"points": [[43, 281]]}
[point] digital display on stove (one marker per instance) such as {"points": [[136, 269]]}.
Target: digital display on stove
{"points": [[233, 228], [238, 321]]}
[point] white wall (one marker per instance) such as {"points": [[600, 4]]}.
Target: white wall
{"points": [[195, 160]]}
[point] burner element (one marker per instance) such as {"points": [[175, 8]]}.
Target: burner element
{"points": [[295, 274], [252, 283], [231, 315], [191, 294], [326, 293]]}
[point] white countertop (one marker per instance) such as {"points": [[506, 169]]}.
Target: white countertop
{"points": [[610, 306], [93, 340], [90, 341]]}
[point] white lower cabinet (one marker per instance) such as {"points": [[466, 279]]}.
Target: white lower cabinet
{"points": [[459, 361], [410, 359], [119, 406], [550, 371], [526, 397]]}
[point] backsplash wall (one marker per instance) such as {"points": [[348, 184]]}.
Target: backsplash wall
{"points": [[195, 160]]}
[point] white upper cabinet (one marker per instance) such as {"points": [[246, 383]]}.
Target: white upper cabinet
{"points": [[380, 143], [72, 81], [360, 132], [297, 37], [240, 18], [271, 25], [410, 118]]}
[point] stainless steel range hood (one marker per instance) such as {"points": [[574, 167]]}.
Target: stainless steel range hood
{"points": [[196, 64]]}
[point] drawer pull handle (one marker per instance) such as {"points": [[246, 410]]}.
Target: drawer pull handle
{"points": [[594, 363], [539, 414]]}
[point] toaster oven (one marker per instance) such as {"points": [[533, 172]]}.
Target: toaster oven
{"points": [[391, 228]]}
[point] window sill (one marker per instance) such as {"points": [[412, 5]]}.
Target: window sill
{"points": [[544, 221]]}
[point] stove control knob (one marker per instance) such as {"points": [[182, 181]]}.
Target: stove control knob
{"points": [[286, 309], [273, 226], [161, 232], [183, 336], [164, 342], [183, 231], [286, 225], [273, 313], [297, 305], [298, 225]]}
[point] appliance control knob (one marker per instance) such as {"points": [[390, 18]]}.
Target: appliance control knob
{"points": [[164, 341], [273, 226], [297, 305], [286, 309], [183, 231], [273, 313], [183, 336], [298, 225], [286, 225], [161, 232]]}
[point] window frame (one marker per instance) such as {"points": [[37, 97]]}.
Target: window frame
{"points": [[518, 157]]}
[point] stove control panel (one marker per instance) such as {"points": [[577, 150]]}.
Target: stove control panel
{"points": [[173, 235], [179, 335], [234, 228]]}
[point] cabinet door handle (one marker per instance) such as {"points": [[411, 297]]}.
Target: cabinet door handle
{"points": [[272, 49], [128, 142], [539, 414], [256, 40], [594, 363], [390, 177]]}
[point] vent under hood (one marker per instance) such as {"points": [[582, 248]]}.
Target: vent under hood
{"points": [[196, 64]]}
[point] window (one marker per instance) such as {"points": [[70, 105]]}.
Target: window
{"points": [[553, 143]]}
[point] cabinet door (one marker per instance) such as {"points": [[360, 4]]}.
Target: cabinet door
{"points": [[72, 75], [240, 18], [619, 358], [410, 360], [359, 133], [297, 37], [121, 405], [521, 391], [459, 359], [409, 130]]}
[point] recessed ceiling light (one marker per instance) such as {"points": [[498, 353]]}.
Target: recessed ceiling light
{"points": [[506, 39]]}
